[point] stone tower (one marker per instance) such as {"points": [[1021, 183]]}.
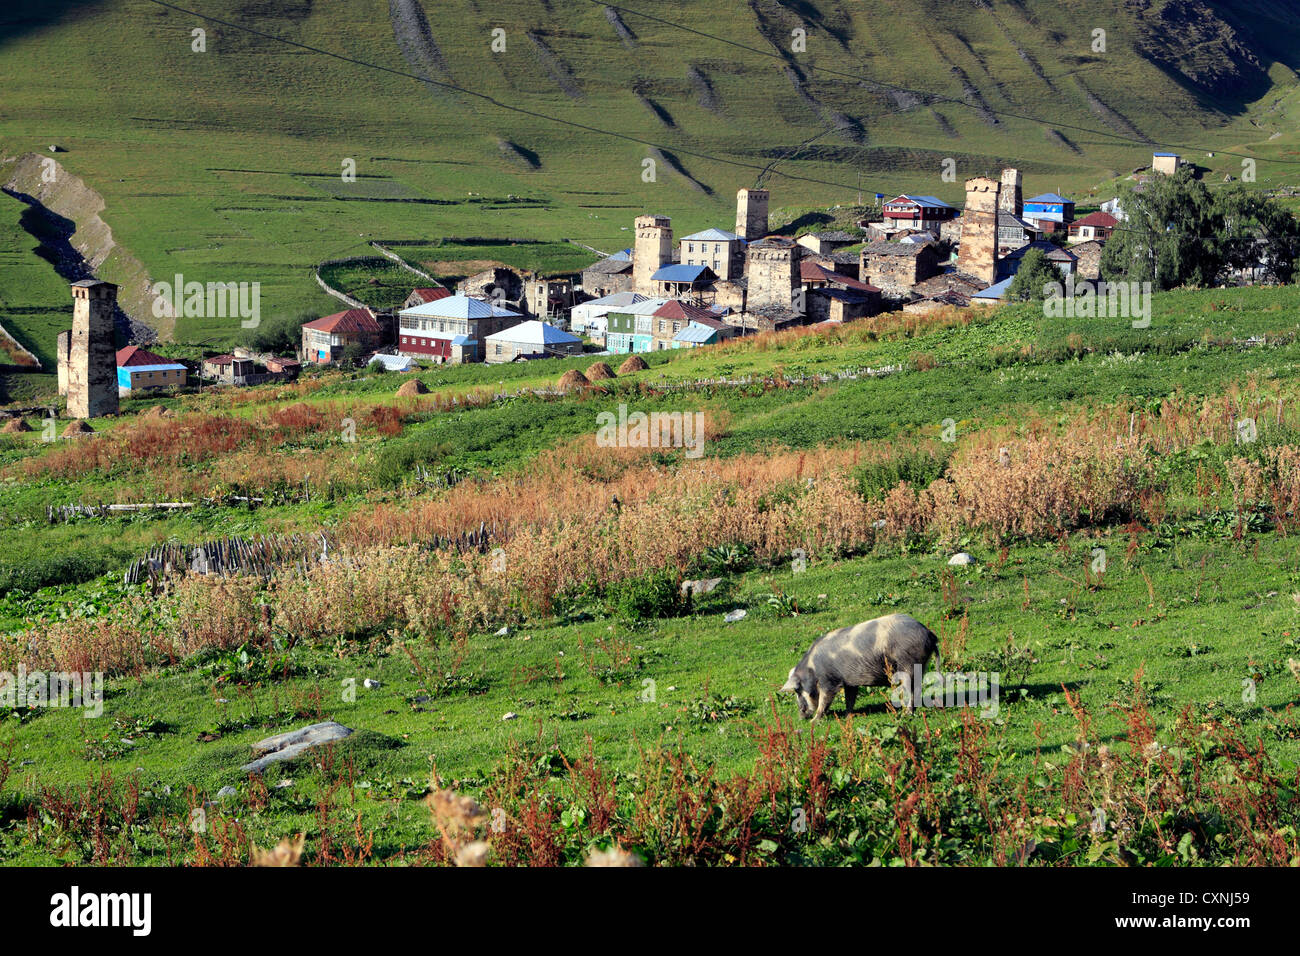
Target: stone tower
{"points": [[64, 348], [1012, 198], [979, 230], [653, 250], [772, 267], [91, 357], [751, 214]]}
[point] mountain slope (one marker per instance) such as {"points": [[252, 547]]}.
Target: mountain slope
{"points": [[225, 165]]}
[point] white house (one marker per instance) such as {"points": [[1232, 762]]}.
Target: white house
{"points": [[590, 318], [532, 339]]}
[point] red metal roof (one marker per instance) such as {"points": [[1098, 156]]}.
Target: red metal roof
{"points": [[813, 272], [1101, 220], [353, 320], [431, 295], [673, 309], [134, 355]]}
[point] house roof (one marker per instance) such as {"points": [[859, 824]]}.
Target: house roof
{"points": [[534, 332], [134, 355], [883, 247], [1006, 221], [614, 299], [843, 295], [394, 363], [812, 272], [432, 295], [676, 309], [1165, 154], [1049, 198], [1053, 252], [159, 367], [997, 290], [681, 273], [458, 307], [351, 320], [611, 266], [696, 332], [712, 235], [624, 255], [1101, 220], [927, 201], [221, 359]]}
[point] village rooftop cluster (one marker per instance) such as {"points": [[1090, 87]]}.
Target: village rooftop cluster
{"points": [[922, 254]]}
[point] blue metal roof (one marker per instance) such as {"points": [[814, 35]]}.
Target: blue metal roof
{"points": [[696, 333], [679, 273], [712, 235], [1164, 154], [1049, 198], [931, 201], [132, 369], [996, 291]]}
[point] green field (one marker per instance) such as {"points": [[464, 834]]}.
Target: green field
{"points": [[1192, 607]]}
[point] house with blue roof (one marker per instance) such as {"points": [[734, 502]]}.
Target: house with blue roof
{"points": [[917, 212], [1048, 208], [138, 369], [682, 279], [451, 330], [722, 251]]}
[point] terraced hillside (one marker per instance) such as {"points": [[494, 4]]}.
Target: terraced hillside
{"points": [[531, 119]]}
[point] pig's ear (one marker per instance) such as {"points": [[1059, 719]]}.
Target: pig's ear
{"points": [[789, 687]]}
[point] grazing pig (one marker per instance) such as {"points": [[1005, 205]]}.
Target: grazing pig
{"points": [[864, 655]]}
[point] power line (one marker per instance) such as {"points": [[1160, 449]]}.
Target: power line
{"points": [[941, 97], [456, 88]]}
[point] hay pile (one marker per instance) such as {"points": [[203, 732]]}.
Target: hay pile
{"points": [[598, 371], [412, 387], [156, 412], [14, 426], [573, 379], [635, 363], [77, 429]]}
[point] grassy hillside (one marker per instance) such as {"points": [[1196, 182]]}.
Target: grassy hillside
{"points": [[1133, 585], [226, 165]]}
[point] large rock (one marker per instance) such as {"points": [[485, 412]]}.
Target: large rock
{"points": [[286, 746]]}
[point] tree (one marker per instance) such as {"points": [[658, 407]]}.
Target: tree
{"points": [[353, 355], [280, 333], [1173, 235], [1259, 234], [1035, 273]]}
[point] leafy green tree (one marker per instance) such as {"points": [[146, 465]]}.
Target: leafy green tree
{"points": [[353, 355], [1034, 273], [278, 334], [1258, 232], [1173, 235]]}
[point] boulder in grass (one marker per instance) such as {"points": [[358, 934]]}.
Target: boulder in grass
{"points": [[294, 743], [599, 371], [961, 558], [573, 379], [634, 363], [413, 387]]}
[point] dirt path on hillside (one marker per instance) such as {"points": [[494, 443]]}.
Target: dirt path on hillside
{"points": [[84, 242]]}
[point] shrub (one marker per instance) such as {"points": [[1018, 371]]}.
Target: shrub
{"points": [[655, 595]]}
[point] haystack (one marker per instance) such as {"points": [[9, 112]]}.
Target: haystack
{"points": [[412, 387], [573, 379], [15, 425], [157, 411], [77, 429], [634, 363], [598, 371]]}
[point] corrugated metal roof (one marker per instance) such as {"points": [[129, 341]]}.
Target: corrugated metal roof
{"points": [[711, 235], [351, 320], [1049, 198], [168, 367], [458, 307], [681, 273], [534, 332], [695, 333]]}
